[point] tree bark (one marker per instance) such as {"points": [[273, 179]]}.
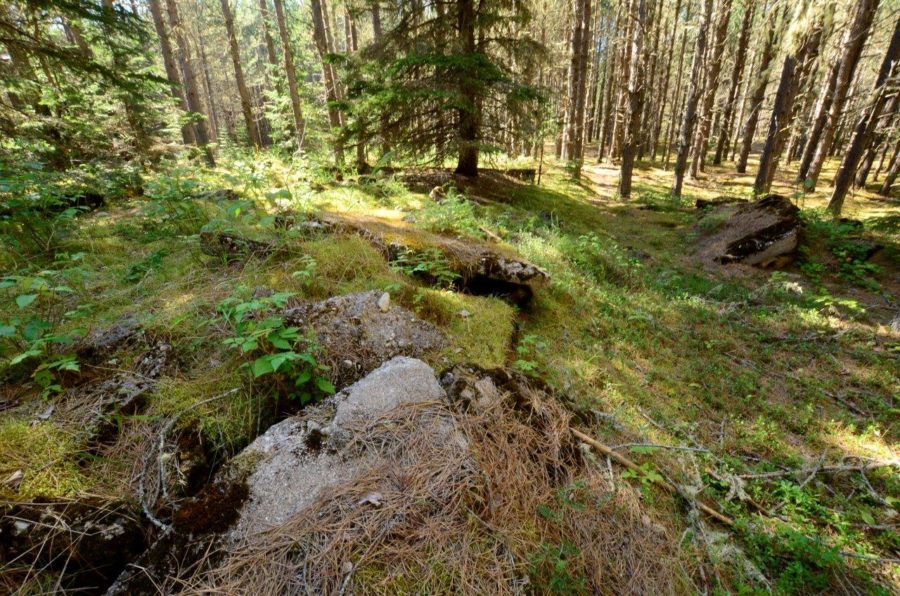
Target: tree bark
{"points": [[291, 73], [235, 51], [780, 114], [865, 127], [638, 13], [823, 105], [192, 91], [677, 103], [469, 113], [878, 138], [759, 93], [714, 68], [667, 77], [740, 57], [320, 35], [187, 131], [267, 35], [853, 43], [892, 172], [577, 84], [693, 98], [783, 108]]}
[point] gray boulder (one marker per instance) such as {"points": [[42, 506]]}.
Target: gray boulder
{"points": [[297, 460]]}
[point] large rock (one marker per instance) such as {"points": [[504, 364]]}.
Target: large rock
{"points": [[358, 332], [290, 467], [765, 233], [297, 460]]}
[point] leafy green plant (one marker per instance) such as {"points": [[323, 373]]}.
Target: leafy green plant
{"points": [[528, 349], [602, 259], [430, 264], [647, 475], [306, 274], [171, 209], [550, 566], [31, 339], [851, 252], [279, 352], [138, 271], [800, 565], [453, 215]]}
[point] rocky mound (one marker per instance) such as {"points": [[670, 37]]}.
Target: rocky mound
{"points": [[482, 270], [764, 233], [358, 332]]}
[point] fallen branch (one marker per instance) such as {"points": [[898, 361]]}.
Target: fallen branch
{"points": [[665, 485], [822, 470]]}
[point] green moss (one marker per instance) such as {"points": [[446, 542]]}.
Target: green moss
{"points": [[346, 264], [45, 455], [229, 422], [480, 328]]}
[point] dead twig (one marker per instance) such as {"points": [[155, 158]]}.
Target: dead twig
{"points": [[667, 486]]}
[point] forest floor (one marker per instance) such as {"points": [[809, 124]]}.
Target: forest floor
{"points": [[777, 389]]}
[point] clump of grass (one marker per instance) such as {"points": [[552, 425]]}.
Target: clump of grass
{"points": [[453, 215], [480, 327]]}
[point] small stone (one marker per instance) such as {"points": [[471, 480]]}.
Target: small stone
{"points": [[347, 567], [384, 302]]}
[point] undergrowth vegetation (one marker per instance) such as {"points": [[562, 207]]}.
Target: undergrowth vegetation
{"points": [[759, 379]]}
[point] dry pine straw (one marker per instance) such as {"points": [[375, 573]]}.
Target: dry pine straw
{"points": [[456, 509]]}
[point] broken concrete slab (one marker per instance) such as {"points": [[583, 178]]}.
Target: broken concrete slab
{"points": [[764, 233], [482, 270], [292, 466]]}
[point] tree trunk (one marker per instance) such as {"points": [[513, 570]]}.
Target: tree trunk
{"points": [[693, 98], [783, 108], [134, 113], [192, 91], [638, 12], [854, 40], [187, 131], [712, 84], [823, 105], [320, 36], [270, 43], [208, 87], [577, 84], [650, 66], [740, 57], [468, 114], [881, 132], [892, 172], [607, 123], [667, 77], [235, 51], [865, 127], [299, 124], [677, 103], [768, 161], [759, 93]]}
